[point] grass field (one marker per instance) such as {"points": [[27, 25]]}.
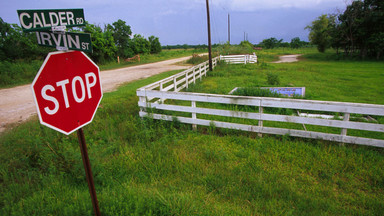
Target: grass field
{"points": [[147, 167], [324, 78]]}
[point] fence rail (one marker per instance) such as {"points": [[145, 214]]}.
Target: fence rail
{"points": [[154, 96]]}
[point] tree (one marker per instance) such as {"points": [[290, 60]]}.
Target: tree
{"points": [[351, 25], [140, 45], [155, 44], [121, 33], [358, 30], [377, 40], [320, 32], [245, 44], [103, 44], [271, 43], [296, 43], [15, 44]]}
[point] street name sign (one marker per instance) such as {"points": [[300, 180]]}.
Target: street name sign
{"points": [[69, 40], [40, 20], [67, 91]]}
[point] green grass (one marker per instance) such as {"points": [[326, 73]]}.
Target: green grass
{"points": [[148, 167], [331, 80]]}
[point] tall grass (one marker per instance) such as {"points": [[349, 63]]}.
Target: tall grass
{"points": [[149, 167], [19, 72]]}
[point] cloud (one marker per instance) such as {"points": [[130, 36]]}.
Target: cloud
{"points": [[254, 5]]}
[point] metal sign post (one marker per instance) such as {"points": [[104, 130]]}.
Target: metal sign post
{"points": [[88, 171]]}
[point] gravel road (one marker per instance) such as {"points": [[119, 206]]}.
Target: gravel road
{"points": [[287, 59], [17, 104]]}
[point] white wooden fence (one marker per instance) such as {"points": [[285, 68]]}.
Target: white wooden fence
{"points": [[181, 80], [239, 59], [153, 96]]}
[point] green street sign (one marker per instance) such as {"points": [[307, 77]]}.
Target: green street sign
{"points": [[69, 40], [40, 20]]}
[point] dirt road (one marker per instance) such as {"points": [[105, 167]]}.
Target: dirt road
{"points": [[17, 104], [287, 59]]}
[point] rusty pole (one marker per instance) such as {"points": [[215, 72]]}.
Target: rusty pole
{"points": [[88, 171]]}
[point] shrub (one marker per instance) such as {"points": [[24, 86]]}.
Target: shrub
{"points": [[273, 79], [197, 59]]}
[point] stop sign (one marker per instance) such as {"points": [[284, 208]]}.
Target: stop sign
{"points": [[67, 91]]}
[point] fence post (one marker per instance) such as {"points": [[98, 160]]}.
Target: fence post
{"points": [[142, 99], [344, 130], [175, 84], [260, 121], [161, 89], [186, 79], [194, 75], [194, 126]]}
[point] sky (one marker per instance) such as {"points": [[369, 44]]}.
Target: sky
{"points": [[185, 21]]}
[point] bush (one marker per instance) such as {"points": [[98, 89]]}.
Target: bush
{"points": [[273, 79], [18, 72], [197, 59], [227, 49]]}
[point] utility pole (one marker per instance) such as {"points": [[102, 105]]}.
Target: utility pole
{"points": [[229, 29], [209, 38]]}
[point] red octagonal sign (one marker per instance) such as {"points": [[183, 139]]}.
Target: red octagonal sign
{"points": [[67, 91]]}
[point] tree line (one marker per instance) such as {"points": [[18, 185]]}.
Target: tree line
{"points": [[113, 40], [269, 43], [359, 30], [185, 46], [272, 42]]}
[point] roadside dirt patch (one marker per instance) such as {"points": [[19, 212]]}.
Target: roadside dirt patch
{"points": [[287, 59]]}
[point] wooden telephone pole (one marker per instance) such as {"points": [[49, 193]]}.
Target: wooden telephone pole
{"points": [[209, 38], [229, 29]]}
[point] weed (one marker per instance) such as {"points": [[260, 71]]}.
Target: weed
{"points": [[273, 78], [197, 59]]}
